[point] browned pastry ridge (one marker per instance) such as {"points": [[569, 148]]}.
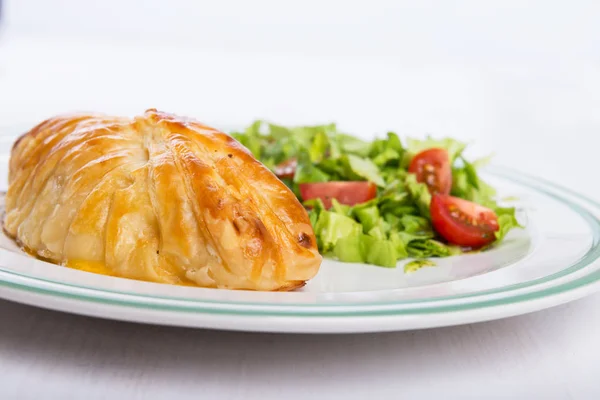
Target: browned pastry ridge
{"points": [[157, 198]]}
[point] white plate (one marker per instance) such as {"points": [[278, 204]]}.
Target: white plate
{"points": [[552, 261]]}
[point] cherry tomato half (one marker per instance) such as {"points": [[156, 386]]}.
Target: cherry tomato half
{"points": [[432, 167], [463, 222], [349, 193], [286, 169]]}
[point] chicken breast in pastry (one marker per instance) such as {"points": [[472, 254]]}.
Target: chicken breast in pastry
{"points": [[157, 198]]}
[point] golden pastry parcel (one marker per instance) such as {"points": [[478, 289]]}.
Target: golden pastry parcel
{"points": [[157, 198]]}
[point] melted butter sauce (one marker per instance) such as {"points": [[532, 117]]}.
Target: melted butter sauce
{"points": [[95, 267]]}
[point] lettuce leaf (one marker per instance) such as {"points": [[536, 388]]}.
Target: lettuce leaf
{"points": [[420, 194], [368, 216], [361, 248], [431, 248], [349, 248], [381, 252], [416, 265], [507, 221], [358, 168], [330, 227], [452, 146], [352, 145]]}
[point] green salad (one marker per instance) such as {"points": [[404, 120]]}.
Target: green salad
{"points": [[382, 201]]}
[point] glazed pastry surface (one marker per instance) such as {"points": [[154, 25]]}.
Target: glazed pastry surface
{"points": [[158, 198]]}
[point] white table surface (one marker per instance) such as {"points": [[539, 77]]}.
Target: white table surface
{"points": [[539, 113]]}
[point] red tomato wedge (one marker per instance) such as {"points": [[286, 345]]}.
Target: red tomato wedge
{"points": [[349, 193], [432, 168], [286, 169], [463, 222]]}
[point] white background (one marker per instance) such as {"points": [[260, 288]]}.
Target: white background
{"points": [[520, 78]]}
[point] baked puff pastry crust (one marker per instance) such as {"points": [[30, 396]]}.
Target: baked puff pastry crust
{"points": [[157, 198]]}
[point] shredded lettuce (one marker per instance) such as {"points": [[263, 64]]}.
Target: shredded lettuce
{"points": [[306, 173], [419, 193], [349, 248], [506, 221], [378, 251], [368, 217], [331, 226], [416, 265], [352, 145], [431, 248], [452, 146], [396, 224], [358, 168]]}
